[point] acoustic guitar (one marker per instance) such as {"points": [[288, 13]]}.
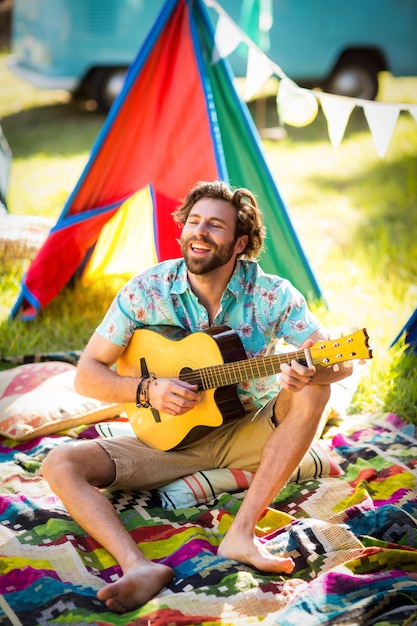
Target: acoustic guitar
{"points": [[216, 361]]}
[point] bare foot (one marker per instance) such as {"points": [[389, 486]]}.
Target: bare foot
{"points": [[252, 552], [138, 585]]}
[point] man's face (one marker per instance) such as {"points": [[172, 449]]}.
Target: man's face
{"points": [[208, 236]]}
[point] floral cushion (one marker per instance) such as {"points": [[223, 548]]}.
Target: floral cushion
{"points": [[40, 399]]}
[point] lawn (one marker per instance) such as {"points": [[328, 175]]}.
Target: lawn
{"points": [[355, 215]]}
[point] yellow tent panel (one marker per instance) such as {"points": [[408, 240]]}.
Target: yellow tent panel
{"points": [[126, 244]]}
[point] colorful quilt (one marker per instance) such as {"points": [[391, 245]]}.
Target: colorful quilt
{"points": [[353, 538]]}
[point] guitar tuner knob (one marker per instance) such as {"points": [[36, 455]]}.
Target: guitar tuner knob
{"points": [[350, 340], [325, 361], [336, 344], [339, 356]]}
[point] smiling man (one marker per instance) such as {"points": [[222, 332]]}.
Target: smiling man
{"points": [[216, 283]]}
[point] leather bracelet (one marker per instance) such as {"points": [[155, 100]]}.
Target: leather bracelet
{"points": [[146, 388], [146, 391], [139, 403], [145, 382]]}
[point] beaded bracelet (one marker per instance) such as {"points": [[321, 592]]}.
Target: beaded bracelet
{"points": [[138, 394], [145, 382]]}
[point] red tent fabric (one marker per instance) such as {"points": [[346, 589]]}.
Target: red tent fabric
{"points": [[163, 132]]}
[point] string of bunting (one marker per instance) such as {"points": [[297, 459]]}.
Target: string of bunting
{"points": [[296, 105]]}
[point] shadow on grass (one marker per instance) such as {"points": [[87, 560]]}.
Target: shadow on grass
{"points": [[64, 129]]}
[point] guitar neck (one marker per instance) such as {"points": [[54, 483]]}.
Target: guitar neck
{"points": [[238, 371], [323, 353]]}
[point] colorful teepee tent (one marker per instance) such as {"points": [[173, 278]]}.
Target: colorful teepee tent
{"points": [[177, 120], [409, 332]]}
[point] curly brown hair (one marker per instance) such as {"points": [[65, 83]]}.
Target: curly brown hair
{"points": [[249, 218]]}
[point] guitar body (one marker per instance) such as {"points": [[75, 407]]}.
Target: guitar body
{"points": [[170, 352]]}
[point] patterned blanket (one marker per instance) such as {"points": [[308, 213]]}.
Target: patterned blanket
{"points": [[353, 538]]}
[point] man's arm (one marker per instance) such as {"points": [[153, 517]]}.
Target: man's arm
{"points": [[96, 378]]}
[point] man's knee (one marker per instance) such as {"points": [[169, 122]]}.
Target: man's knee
{"points": [[56, 463], [309, 403], [85, 461]]}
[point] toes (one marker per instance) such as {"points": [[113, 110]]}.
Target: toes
{"points": [[115, 606]]}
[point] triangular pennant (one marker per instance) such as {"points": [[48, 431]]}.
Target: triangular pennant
{"points": [[382, 118], [259, 69], [226, 39], [337, 110], [413, 110]]}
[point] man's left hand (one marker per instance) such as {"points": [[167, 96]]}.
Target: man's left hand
{"points": [[295, 376]]}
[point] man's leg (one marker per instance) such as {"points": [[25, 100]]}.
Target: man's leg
{"points": [[74, 472], [297, 416]]}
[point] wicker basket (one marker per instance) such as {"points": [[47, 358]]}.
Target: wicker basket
{"points": [[21, 236]]}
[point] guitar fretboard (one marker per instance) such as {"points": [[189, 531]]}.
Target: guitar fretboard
{"points": [[322, 353], [238, 371]]}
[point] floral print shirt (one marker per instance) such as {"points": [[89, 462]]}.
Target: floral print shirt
{"points": [[261, 308]]}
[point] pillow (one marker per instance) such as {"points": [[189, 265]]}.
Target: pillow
{"points": [[40, 399], [203, 486], [317, 463]]}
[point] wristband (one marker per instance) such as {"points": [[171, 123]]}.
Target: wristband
{"points": [[145, 382], [139, 403]]}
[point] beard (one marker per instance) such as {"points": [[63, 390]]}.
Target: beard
{"points": [[219, 256]]}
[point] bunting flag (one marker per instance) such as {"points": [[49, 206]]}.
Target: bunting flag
{"points": [[337, 111], [177, 120], [413, 111], [258, 71], [381, 118], [227, 38], [256, 19], [296, 105]]}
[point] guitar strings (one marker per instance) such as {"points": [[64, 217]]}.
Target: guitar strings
{"points": [[234, 372]]}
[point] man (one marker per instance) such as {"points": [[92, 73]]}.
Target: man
{"points": [[217, 282]]}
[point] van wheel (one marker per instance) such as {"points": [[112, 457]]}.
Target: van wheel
{"points": [[106, 84], [355, 76]]}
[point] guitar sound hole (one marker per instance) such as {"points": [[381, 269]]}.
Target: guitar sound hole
{"points": [[188, 375]]}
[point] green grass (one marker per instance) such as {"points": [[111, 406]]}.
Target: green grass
{"points": [[355, 214]]}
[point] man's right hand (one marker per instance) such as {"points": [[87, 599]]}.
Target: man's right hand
{"points": [[172, 396]]}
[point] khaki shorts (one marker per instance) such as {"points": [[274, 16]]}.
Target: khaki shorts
{"points": [[238, 444]]}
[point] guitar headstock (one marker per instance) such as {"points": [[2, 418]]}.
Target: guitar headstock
{"points": [[348, 348]]}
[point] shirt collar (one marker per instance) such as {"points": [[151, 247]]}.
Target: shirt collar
{"points": [[234, 285], [180, 283]]}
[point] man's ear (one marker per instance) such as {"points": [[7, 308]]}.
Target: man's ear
{"points": [[241, 243]]}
